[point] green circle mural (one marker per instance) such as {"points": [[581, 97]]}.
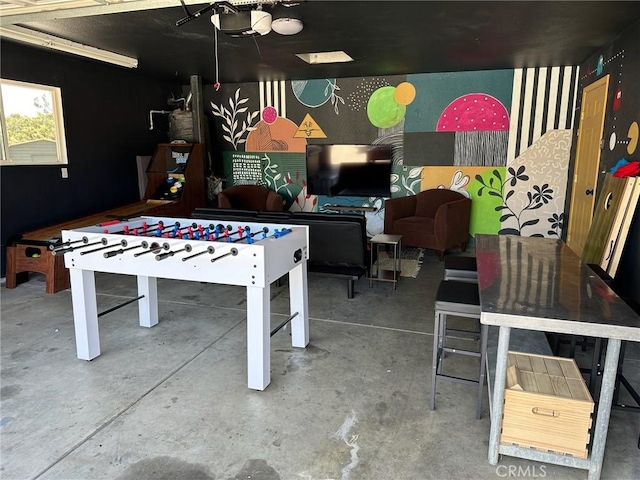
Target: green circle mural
{"points": [[383, 110]]}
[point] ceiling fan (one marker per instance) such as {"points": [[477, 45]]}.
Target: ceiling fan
{"points": [[242, 18]]}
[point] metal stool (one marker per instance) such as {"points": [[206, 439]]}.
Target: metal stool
{"points": [[460, 268], [460, 299]]}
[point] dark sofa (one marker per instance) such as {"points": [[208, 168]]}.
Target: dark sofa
{"points": [[337, 242]]}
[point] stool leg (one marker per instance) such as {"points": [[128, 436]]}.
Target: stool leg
{"points": [[442, 340], [572, 347], [556, 343], [434, 367], [484, 333], [595, 366], [442, 336]]}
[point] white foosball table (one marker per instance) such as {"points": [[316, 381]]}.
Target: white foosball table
{"points": [[252, 255]]}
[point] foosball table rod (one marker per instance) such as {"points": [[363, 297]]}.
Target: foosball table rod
{"points": [[277, 329], [62, 251]]}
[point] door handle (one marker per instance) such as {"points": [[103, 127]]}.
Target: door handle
{"points": [[589, 192]]}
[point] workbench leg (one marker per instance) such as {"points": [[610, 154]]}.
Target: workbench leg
{"points": [[148, 304], [299, 303], [604, 408], [498, 394], [259, 337], [85, 313]]}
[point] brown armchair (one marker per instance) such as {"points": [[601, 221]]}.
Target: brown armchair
{"points": [[436, 219], [250, 197]]}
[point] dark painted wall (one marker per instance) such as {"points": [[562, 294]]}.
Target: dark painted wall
{"points": [[106, 114], [627, 281], [621, 60]]}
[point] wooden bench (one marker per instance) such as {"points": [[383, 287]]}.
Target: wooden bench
{"points": [[29, 252]]}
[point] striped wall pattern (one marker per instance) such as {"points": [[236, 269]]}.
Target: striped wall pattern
{"points": [[272, 94], [488, 148], [543, 99]]}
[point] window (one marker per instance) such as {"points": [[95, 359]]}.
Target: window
{"points": [[32, 130]]}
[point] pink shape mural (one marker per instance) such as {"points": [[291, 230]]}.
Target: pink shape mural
{"points": [[474, 112]]}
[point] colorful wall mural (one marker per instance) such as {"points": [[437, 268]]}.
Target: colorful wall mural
{"points": [[466, 131], [236, 120]]}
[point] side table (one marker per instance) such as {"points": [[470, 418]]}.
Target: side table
{"points": [[380, 274]]}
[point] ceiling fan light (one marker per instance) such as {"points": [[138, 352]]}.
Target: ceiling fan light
{"points": [[287, 25]]}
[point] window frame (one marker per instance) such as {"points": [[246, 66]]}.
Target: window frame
{"points": [[58, 116]]}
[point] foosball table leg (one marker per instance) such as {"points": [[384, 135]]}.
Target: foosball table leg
{"points": [[258, 337], [85, 313], [299, 304], [148, 304]]}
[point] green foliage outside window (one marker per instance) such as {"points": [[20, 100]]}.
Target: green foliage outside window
{"points": [[21, 128], [31, 124]]}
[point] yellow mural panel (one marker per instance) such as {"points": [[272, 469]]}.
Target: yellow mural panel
{"points": [[453, 178], [309, 129], [484, 216]]}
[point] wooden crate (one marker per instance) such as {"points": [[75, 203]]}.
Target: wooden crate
{"points": [[547, 405]]}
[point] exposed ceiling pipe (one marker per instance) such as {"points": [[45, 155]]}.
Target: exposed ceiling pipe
{"points": [[183, 102], [151, 112]]}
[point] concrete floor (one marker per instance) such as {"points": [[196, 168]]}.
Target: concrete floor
{"points": [[171, 402]]}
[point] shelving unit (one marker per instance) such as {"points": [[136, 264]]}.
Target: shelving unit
{"points": [[184, 164]]}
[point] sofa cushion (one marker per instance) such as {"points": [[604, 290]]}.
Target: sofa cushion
{"points": [[415, 224]]}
